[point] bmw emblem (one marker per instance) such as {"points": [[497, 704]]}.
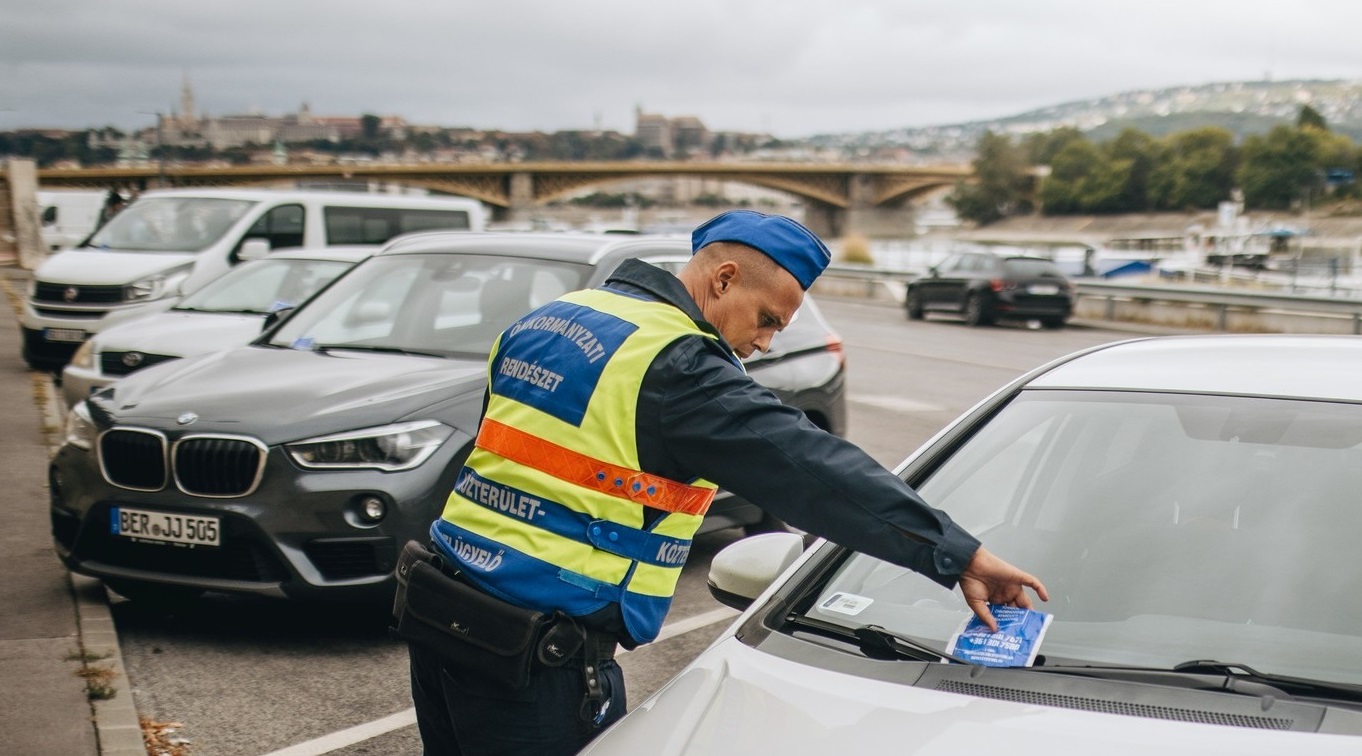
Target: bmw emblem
{"points": [[186, 418], [70, 294], [132, 359]]}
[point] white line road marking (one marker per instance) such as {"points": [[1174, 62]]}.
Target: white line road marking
{"points": [[894, 403], [360, 733]]}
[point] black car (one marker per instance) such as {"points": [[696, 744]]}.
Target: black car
{"points": [[297, 466], [986, 287]]}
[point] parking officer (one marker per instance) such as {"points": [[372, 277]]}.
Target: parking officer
{"points": [[611, 418]]}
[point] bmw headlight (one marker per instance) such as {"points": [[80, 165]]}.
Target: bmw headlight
{"points": [[400, 446], [80, 430], [145, 289], [84, 358]]}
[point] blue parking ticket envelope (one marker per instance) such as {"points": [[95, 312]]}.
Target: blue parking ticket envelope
{"points": [[1016, 643]]}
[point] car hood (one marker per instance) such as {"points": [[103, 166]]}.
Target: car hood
{"points": [[181, 334], [105, 268], [280, 395], [737, 700]]}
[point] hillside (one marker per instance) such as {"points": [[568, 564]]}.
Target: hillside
{"points": [[1242, 107]]}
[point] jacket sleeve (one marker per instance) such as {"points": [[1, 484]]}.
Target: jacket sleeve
{"points": [[724, 427]]}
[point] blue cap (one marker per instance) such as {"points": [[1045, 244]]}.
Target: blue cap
{"points": [[792, 246]]}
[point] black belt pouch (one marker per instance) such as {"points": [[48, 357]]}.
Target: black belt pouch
{"points": [[478, 632]]}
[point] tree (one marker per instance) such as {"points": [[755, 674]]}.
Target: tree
{"points": [[1144, 153], [1311, 118], [1197, 171], [1000, 186], [1041, 148], [1281, 168]]}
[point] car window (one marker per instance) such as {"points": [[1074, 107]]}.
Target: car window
{"points": [[440, 304], [264, 286], [1025, 267], [282, 226], [1167, 527]]}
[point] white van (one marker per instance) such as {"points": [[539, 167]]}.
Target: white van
{"points": [[69, 215], [171, 242]]}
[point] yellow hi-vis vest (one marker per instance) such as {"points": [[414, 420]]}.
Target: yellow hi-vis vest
{"points": [[548, 511]]}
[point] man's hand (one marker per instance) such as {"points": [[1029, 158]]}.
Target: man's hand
{"points": [[990, 580]]}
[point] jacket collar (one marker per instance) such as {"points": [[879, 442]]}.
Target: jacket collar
{"points": [[662, 286]]}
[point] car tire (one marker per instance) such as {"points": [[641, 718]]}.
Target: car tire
{"points": [[976, 313], [154, 595], [912, 303]]}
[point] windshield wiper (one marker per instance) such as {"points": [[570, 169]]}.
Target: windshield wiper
{"points": [[874, 641], [224, 312], [373, 348], [1232, 678]]}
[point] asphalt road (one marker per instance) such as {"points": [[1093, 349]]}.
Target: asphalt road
{"points": [[250, 677]]}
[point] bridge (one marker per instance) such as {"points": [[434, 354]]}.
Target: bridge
{"points": [[838, 198]]}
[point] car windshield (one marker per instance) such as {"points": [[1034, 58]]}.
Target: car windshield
{"points": [[264, 286], [441, 304], [1167, 528], [170, 224]]}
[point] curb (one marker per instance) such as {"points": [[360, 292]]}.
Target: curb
{"points": [[118, 730]]}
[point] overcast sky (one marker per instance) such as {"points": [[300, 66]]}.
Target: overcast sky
{"points": [[789, 67]]}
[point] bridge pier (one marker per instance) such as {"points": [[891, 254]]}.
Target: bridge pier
{"points": [[20, 223], [521, 195]]}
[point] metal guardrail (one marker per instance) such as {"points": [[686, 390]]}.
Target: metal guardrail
{"points": [[1220, 301]]}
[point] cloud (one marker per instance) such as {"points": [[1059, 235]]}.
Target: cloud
{"points": [[795, 68]]}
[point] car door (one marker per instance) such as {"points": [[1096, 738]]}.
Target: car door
{"points": [[935, 287]]}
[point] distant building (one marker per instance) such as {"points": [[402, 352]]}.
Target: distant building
{"points": [[673, 137], [188, 128]]}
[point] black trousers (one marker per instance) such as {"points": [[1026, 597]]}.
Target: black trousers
{"points": [[463, 715]]}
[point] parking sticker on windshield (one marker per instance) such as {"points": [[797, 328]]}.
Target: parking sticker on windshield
{"points": [[305, 343], [846, 603], [1016, 643]]}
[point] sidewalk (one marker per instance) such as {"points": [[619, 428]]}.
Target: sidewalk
{"points": [[49, 619]]}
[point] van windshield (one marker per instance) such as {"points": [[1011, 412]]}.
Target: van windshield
{"points": [[170, 224]]}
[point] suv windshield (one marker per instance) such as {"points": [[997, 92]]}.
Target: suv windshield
{"points": [[264, 286], [170, 224], [438, 304], [1167, 527]]}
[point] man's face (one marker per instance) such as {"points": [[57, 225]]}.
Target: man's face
{"points": [[750, 310]]}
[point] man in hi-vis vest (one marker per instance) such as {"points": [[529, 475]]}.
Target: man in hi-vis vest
{"points": [[612, 416]]}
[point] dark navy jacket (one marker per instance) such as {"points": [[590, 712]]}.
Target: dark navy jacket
{"points": [[701, 416]]}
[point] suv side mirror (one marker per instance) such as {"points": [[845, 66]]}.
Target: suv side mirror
{"points": [[741, 571], [253, 249]]}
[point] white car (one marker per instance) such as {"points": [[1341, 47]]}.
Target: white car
{"points": [[1192, 505], [226, 313]]}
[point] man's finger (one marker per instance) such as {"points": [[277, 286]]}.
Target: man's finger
{"points": [[1038, 587], [981, 611]]}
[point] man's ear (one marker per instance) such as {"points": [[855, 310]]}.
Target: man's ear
{"points": [[725, 275]]}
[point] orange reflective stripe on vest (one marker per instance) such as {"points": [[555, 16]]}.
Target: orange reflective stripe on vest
{"points": [[567, 465]]}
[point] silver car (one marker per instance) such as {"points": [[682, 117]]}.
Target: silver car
{"points": [[227, 312], [1192, 504]]}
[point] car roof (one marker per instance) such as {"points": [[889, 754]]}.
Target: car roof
{"points": [[340, 253], [342, 198], [1270, 365], [585, 248]]}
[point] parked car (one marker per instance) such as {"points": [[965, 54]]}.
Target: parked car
{"points": [[1191, 505], [985, 287], [171, 242], [299, 464], [227, 312]]}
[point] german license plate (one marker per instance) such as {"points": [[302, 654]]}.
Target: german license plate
{"points": [[145, 525], [64, 334], [1043, 289]]}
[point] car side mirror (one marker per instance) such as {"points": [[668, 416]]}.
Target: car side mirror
{"points": [[933, 272], [253, 249], [275, 316], [741, 571]]}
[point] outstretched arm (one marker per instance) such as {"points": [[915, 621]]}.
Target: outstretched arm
{"points": [[990, 580]]}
